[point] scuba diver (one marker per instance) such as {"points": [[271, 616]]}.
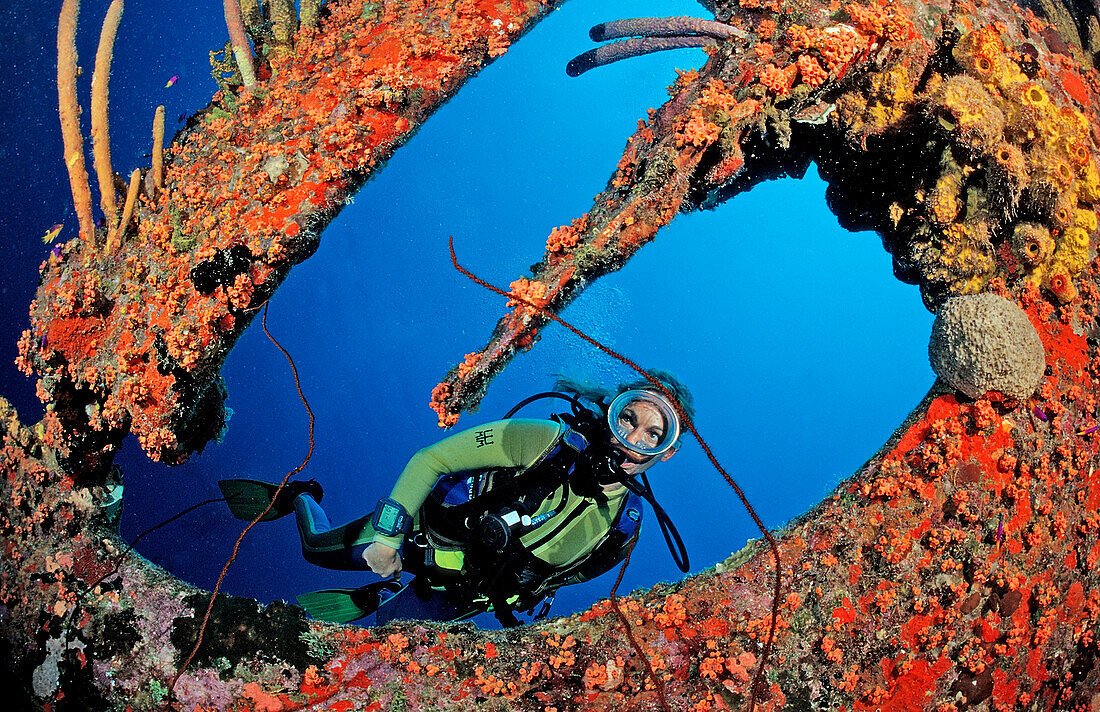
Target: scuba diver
{"points": [[497, 517]]}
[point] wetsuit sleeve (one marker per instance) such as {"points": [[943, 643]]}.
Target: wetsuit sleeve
{"points": [[518, 442]]}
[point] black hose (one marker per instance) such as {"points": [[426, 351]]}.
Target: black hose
{"points": [[548, 394], [668, 529]]}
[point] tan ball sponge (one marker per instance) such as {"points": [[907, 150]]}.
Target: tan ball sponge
{"points": [[984, 342]]}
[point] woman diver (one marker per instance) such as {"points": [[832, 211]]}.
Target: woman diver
{"points": [[497, 517]]}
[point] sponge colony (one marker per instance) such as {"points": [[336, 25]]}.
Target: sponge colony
{"points": [[984, 342]]}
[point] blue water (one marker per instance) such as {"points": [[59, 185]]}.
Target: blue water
{"points": [[802, 350]]}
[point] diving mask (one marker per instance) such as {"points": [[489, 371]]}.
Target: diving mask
{"points": [[626, 418]]}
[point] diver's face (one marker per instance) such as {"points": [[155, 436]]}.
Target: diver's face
{"points": [[640, 423]]}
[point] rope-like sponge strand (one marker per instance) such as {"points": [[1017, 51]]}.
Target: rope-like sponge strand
{"points": [[614, 598], [261, 515], [690, 426]]}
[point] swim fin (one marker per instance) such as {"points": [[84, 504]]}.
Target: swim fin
{"points": [[344, 605], [248, 498]]}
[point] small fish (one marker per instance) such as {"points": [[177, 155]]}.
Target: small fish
{"points": [[42, 342], [1040, 414], [52, 233], [173, 80], [1000, 532], [1086, 431], [182, 118], [56, 251]]}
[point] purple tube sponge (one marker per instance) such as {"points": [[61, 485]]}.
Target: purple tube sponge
{"points": [[648, 34], [633, 47], [663, 27]]}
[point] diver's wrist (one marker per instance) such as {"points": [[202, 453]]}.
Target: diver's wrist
{"points": [[394, 542]]}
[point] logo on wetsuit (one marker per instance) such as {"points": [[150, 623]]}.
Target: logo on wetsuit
{"points": [[483, 437]]}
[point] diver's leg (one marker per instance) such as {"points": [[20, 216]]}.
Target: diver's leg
{"points": [[328, 546]]}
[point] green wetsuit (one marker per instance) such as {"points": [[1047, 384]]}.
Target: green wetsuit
{"points": [[573, 543], [567, 537], [517, 443]]}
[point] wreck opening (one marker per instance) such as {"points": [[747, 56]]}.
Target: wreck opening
{"points": [[352, 314], [362, 376], [784, 349], [843, 566], [817, 361], [382, 299]]}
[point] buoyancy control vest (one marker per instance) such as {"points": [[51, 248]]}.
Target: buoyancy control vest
{"points": [[472, 525]]}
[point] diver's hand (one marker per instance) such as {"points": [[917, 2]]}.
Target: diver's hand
{"points": [[382, 559]]}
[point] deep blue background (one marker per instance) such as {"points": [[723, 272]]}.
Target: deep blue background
{"points": [[802, 350]]}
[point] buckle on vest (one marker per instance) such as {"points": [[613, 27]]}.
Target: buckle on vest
{"points": [[574, 440]]}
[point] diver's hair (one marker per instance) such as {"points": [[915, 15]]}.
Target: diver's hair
{"points": [[584, 387], [673, 384], [587, 388]]}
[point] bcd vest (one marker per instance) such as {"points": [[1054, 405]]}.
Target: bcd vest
{"points": [[451, 534]]}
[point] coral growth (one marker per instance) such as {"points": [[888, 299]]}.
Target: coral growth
{"points": [[259, 176], [958, 569]]}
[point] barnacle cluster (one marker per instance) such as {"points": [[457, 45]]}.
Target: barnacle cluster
{"points": [[1015, 167]]}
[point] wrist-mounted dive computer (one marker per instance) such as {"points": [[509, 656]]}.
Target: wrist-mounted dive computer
{"points": [[390, 518]]}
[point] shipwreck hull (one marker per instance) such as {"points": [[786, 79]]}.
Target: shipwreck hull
{"points": [[956, 570]]}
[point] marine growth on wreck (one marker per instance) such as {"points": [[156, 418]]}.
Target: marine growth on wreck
{"points": [[956, 570]]}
